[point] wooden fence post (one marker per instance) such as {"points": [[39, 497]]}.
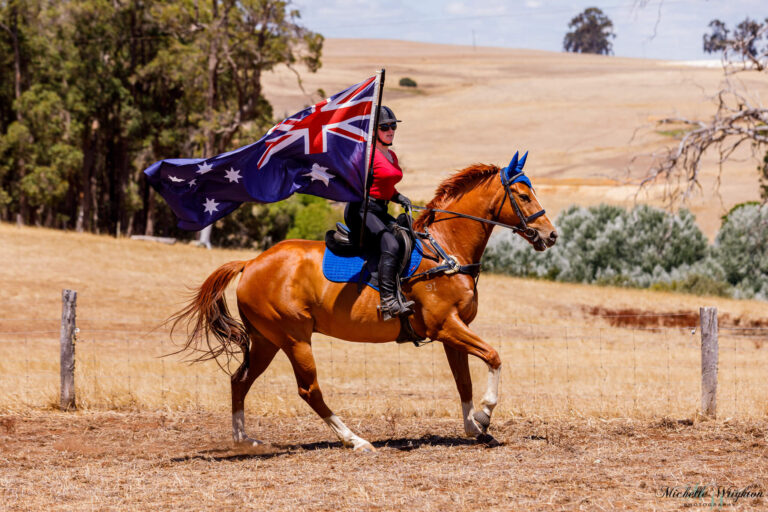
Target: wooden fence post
{"points": [[67, 345], [709, 358]]}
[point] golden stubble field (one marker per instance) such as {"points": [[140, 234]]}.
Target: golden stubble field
{"points": [[599, 399]]}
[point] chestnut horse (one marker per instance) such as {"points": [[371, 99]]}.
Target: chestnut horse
{"points": [[283, 298]]}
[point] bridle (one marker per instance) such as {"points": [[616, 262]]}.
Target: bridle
{"points": [[522, 227], [450, 263], [524, 221]]}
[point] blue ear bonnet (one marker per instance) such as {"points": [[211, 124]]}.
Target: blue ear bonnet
{"points": [[513, 173]]}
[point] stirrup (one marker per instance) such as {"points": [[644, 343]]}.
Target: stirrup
{"points": [[402, 309]]}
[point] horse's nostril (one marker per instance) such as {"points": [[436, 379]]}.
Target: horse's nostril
{"points": [[553, 235]]}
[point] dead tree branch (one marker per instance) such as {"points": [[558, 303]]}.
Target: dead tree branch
{"points": [[739, 119]]}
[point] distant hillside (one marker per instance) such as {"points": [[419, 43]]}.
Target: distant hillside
{"points": [[577, 114]]}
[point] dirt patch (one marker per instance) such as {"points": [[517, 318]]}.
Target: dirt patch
{"points": [[630, 317], [162, 460]]}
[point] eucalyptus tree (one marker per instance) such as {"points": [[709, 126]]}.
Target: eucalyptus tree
{"points": [[591, 31], [92, 91]]}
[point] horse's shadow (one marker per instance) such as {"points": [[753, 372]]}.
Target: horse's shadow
{"points": [[271, 450], [404, 444]]}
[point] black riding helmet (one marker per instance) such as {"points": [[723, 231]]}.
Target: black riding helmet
{"points": [[386, 116]]}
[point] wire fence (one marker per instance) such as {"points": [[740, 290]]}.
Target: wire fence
{"points": [[547, 370]]}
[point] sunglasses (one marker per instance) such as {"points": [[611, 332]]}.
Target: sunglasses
{"points": [[387, 127]]}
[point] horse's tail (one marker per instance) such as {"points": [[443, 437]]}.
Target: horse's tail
{"points": [[207, 314]]}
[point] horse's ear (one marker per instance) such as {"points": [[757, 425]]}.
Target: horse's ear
{"points": [[512, 167], [521, 163]]}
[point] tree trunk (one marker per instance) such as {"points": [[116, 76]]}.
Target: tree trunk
{"points": [[149, 227], [84, 218], [213, 70]]}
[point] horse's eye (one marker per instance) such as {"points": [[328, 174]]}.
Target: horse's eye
{"points": [[524, 197]]}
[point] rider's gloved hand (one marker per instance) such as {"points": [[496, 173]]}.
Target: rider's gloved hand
{"points": [[401, 199]]}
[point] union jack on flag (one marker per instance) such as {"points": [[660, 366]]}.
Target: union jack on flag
{"points": [[319, 151]]}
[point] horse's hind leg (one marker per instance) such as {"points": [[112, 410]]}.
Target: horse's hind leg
{"points": [[303, 362], [261, 353]]}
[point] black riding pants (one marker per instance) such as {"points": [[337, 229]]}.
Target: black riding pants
{"points": [[376, 222]]}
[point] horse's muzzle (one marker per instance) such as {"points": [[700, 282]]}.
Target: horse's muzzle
{"points": [[550, 241]]}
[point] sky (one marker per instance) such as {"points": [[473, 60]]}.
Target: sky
{"points": [[658, 29]]}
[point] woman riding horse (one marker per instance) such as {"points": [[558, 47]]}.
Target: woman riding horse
{"points": [[386, 174], [283, 298]]}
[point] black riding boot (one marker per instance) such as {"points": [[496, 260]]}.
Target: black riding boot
{"points": [[391, 304]]}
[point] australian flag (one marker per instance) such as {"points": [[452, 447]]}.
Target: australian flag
{"points": [[319, 151]]}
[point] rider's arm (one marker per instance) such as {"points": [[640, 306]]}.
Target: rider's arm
{"points": [[400, 199]]}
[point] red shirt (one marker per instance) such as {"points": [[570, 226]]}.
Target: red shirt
{"points": [[386, 175]]}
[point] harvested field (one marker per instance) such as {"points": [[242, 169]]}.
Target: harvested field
{"points": [[164, 460]]}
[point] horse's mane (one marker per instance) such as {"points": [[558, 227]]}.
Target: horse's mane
{"points": [[454, 187]]}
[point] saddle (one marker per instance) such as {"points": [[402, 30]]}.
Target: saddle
{"points": [[344, 261]]}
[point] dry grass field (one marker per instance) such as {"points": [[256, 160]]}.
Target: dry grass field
{"points": [[167, 460], [600, 386], [599, 407]]}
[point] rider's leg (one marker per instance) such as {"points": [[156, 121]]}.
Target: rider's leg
{"points": [[388, 266]]}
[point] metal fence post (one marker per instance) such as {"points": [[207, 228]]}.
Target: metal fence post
{"points": [[67, 345], [709, 358]]}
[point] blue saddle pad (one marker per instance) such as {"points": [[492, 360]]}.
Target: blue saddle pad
{"points": [[341, 269]]}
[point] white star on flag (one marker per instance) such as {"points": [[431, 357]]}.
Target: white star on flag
{"points": [[192, 182], [204, 168], [233, 175], [175, 179], [210, 205], [318, 173]]}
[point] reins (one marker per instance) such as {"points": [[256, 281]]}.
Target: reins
{"points": [[451, 265], [524, 221], [472, 217]]}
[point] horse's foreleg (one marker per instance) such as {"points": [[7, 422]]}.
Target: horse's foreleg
{"points": [[459, 363], [490, 398], [303, 362], [261, 353], [455, 334]]}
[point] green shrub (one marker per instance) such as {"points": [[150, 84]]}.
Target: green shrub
{"points": [[407, 82], [313, 219], [741, 248], [608, 245]]}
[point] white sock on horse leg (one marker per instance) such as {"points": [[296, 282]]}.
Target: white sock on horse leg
{"points": [[491, 397], [238, 425], [346, 436], [238, 430]]}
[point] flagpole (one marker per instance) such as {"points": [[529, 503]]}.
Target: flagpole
{"points": [[371, 149]]}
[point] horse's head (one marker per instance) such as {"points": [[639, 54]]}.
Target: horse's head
{"points": [[524, 211]]}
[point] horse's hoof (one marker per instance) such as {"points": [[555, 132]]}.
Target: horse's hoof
{"points": [[488, 440], [249, 441], [365, 447], [482, 419]]}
